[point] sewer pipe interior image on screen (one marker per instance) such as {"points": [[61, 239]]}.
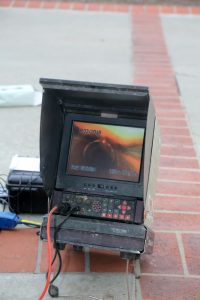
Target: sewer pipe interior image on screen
{"points": [[105, 151]]}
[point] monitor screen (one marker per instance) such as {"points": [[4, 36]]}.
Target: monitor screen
{"points": [[105, 151]]}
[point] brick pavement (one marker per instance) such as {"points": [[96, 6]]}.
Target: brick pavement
{"points": [[173, 271]]}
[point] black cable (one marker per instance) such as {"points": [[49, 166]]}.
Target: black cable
{"points": [[54, 258], [59, 267], [4, 203], [32, 225], [57, 251]]}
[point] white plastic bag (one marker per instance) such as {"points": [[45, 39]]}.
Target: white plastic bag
{"points": [[19, 95]]}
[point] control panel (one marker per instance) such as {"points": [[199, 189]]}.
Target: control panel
{"points": [[101, 207]]}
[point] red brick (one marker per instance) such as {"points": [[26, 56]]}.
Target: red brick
{"points": [[94, 6], [179, 113], [107, 261], [166, 99], [182, 10], [174, 131], [178, 150], [168, 105], [79, 6], [64, 5], [5, 3], [19, 3], [195, 10], [165, 257], [167, 9], [176, 140], [172, 122], [176, 203], [18, 250], [187, 189], [137, 9], [191, 244], [176, 162], [108, 7], [72, 261], [49, 4], [122, 8], [169, 288], [179, 175], [153, 8], [177, 221], [34, 4]]}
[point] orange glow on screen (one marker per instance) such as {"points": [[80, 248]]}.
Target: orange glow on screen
{"points": [[106, 151]]}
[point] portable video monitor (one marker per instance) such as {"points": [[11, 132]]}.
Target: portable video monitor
{"points": [[101, 155], [92, 144], [96, 144]]}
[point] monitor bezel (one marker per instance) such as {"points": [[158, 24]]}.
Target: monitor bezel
{"points": [[94, 185]]}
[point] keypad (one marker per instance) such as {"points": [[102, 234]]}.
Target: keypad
{"points": [[99, 207]]}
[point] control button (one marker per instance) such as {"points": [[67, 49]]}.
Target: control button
{"points": [[82, 211], [127, 217], [117, 202], [123, 207], [100, 186], [109, 215], [119, 206], [115, 216], [79, 200], [96, 206], [87, 201], [124, 202], [121, 217], [103, 215]]}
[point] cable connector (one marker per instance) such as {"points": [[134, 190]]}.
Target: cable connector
{"points": [[63, 209], [76, 209], [8, 220]]}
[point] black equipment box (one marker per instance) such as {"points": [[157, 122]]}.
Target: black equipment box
{"points": [[107, 235], [26, 193], [96, 144]]}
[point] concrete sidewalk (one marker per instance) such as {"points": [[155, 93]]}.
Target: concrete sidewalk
{"points": [[120, 47]]}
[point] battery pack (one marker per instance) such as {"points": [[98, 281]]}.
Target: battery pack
{"points": [[26, 193]]}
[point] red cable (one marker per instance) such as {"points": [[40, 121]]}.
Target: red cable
{"points": [[49, 253]]}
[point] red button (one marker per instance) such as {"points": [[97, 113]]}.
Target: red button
{"points": [[109, 215], [124, 207], [115, 216], [128, 207], [121, 217], [123, 212], [103, 215], [124, 202], [127, 217]]}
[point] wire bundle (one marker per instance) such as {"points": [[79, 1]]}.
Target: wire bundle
{"points": [[49, 281]]}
